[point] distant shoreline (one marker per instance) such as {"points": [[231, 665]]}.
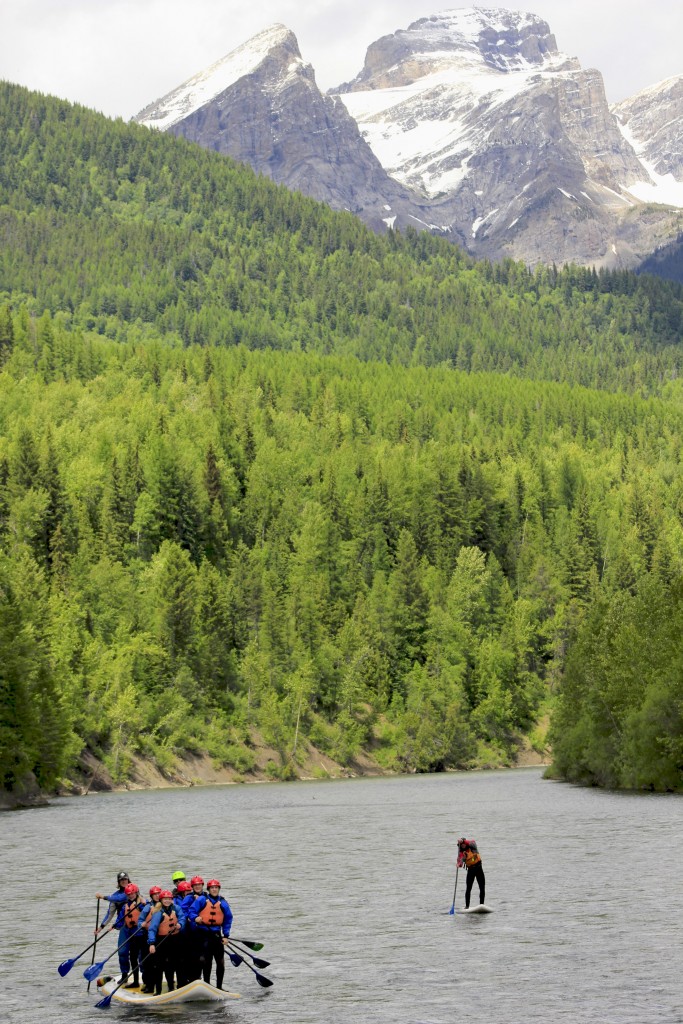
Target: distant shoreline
{"points": [[198, 771]]}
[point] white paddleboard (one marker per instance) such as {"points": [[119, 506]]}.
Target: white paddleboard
{"points": [[480, 908], [192, 992]]}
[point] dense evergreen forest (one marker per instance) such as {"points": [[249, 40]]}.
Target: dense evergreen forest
{"points": [[263, 472], [666, 261]]}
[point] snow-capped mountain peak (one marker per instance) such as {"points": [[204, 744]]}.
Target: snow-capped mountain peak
{"points": [[421, 91], [471, 122], [214, 80]]}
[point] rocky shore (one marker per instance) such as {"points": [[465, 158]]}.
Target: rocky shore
{"points": [[200, 770]]}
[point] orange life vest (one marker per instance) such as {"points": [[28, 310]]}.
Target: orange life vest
{"points": [[169, 923], [471, 858], [211, 915], [131, 913]]}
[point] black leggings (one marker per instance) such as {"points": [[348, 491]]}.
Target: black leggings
{"points": [[476, 871], [164, 962], [214, 950]]}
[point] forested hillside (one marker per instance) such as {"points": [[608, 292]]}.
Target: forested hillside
{"points": [[261, 471], [125, 228]]}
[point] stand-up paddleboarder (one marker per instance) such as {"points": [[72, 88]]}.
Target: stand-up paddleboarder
{"points": [[470, 858]]}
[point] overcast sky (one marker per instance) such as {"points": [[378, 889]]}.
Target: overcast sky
{"points": [[119, 55]]}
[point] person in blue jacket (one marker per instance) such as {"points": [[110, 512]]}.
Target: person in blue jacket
{"points": [[162, 937], [114, 918], [144, 921], [185, 897], [132, 932], [211, 915], [194, 940], [186, 970]]}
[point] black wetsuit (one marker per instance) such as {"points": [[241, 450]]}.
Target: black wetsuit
{"points": [[476, 871]]}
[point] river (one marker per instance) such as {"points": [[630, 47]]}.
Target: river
{"points": [[349, 884]]}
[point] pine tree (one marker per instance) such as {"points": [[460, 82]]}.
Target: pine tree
{"points": [[6, 333]]}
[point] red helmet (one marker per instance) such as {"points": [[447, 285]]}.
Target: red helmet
{"points": [[165, 894], [184, 887], [213, 881], [196, 880], [155, 890], [131, 888]]}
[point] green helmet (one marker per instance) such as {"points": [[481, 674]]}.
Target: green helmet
{"points": [[178, 876]]}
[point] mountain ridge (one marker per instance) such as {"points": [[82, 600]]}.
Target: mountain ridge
{"points": [[470, 123], [266, 110]]}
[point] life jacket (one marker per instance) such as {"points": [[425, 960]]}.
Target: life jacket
{"points": [[169, 924], [211, 915], [131, 913], [153, 908], [468, 854], [472, 857]]}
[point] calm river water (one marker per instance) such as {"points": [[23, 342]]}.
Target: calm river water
{"points": [[349, 885]]}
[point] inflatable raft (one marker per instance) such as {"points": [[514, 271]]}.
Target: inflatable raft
{"points": [[195, 991]]}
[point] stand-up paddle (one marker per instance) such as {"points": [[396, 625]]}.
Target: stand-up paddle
{"points": [[455, 889], [94, 971], [236, 960], [256, 946], [97, 928], [104, 1003], [256, 961], [66, 965]]}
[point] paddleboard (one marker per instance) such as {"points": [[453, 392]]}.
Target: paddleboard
{"points": [[194, 992], [480, 908]]}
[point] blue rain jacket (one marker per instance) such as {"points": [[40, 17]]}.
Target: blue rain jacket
{"points": [[156, 921], [199, 905]]}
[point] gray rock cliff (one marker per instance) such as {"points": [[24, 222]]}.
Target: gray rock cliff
{"points": [[470, 122], [270, 114], [654, 121]]}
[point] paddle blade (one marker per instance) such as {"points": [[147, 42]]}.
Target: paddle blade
{"points": [[452, 910], [65, 967], [235, 960], [256, 946], [260, 963], [94, 971], [103, 1003], [263, 981]]}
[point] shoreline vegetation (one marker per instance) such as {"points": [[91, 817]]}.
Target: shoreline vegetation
{"points": [[198, 770]]}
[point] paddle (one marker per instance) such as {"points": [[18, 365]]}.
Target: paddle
{"points": [[97, 927], [455, 889], [94, 971], [255, 960], [104, 1003], [256, 946], [66, 965], [236, 960]]}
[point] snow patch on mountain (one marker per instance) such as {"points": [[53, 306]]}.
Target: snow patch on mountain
{"points": [[422, 132], [420, 97], [663, 188]]}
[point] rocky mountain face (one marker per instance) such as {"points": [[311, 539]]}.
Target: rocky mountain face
{"points": [[261, 106], [470, 122], [652, 121], [511, 140]]}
